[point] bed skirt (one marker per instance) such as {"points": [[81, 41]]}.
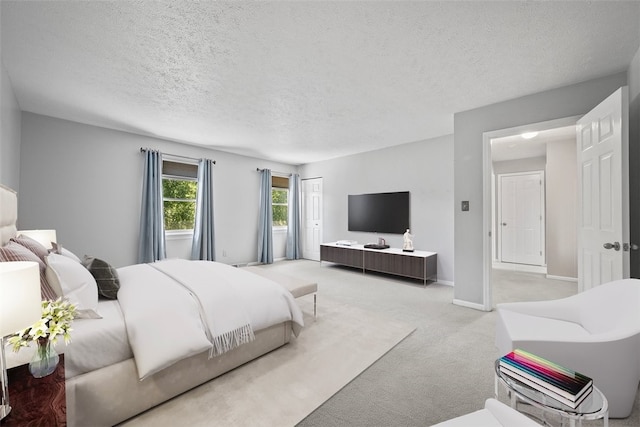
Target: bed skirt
{"points": [[114, 394]]}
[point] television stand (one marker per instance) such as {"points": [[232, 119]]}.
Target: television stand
{"points": [[420, 265]]}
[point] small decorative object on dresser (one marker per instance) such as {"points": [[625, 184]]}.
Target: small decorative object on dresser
{"points": [[407, 246]]}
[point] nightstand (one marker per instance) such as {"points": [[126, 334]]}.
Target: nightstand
{"points": [[36, 401]]}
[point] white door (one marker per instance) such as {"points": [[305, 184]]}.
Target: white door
{"points": [[521, 218], [312, 218], [603, 192]]}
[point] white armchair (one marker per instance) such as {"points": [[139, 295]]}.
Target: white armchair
{"points": [[596, 333], [494, 414]]}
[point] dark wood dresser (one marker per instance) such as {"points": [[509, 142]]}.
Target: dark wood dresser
{"points": [[36, 402], [420, 265]]}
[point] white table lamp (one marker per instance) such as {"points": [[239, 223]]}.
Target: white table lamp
{"points": [[44, 237], [20, 307]]}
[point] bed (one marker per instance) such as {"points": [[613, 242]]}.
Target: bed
{"points": [[166, 332]]}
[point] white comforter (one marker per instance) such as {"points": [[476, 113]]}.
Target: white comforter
{"points": [[95, 343], [174, 309]]}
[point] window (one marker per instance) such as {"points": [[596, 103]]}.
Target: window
{"points": [[280, 200], [179, 190]]}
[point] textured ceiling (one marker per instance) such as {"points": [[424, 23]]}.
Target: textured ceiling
{"points": [[516, 147], [301, 81]]}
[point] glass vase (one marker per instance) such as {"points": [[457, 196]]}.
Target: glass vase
{"points": [[45, 360]]}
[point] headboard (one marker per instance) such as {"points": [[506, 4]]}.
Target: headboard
{"points": [[8, 214]]}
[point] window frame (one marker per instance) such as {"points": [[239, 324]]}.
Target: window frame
{"points": [[278, 184], [285, 226], [175, 177]]}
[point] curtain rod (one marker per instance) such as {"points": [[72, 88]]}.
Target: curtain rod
{"points": [[276, 172], [143, 149]]}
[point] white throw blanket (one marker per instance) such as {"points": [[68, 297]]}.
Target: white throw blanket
{"points": [[224, 317], [175, 309]]}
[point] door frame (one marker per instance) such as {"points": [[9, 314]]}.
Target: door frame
{"points": [[303, 231], [543, 218], [487, 168]]}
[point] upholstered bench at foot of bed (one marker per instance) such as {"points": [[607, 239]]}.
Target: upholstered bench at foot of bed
{"points": [[298, 287]]}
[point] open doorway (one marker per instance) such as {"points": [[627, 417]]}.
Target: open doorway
{"points": [[534, 207], [540, 235], [602, 211]]}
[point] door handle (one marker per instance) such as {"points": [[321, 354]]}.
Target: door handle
{"points": [[614, 245], [629, 246], [504, 223]]}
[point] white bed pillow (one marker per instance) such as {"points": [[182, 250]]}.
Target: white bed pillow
{"points": [[73, 282], [58, 249]]}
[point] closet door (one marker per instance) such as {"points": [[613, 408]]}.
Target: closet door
{"points": [[312, 218], [521, 222]]}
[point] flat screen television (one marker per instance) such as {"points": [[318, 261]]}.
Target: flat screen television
{"points": [[379, 212]]}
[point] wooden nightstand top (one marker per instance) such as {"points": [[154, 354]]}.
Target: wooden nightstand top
{"points": [[36, 401]]}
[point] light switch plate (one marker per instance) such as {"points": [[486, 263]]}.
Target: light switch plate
{"points": [[465, 205]]}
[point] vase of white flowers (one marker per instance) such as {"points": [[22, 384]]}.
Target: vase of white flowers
{"points": [[56, 320], [44, 360]]}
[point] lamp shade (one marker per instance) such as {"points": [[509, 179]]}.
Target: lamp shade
{"points": [[44, 237], [20, 305]]}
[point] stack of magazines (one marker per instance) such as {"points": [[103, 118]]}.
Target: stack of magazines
{"points": [[562, 384]]}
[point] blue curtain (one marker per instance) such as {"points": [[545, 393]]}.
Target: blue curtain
{"points": [[265, 232], [203, 247], [151, 246], [293, 229]]}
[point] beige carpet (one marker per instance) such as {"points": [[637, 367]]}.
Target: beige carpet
{"points": [[284, 386]]}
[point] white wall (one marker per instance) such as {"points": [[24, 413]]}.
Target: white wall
{"points": [[85, 182], [469, 127], [424, 168], [10, 124], [520, 165], [562, 209], [634, 75], [634, 156]]}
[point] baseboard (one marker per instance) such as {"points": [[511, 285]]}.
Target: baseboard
{"points": [[251, 263], [468, 304], [520, 267], [565, 278], [245, 264], [444, 282]]}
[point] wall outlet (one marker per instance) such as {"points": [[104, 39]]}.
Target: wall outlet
{"points": [[224, 253]]}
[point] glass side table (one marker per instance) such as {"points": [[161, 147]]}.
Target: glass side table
{"points": [[594, 407]]}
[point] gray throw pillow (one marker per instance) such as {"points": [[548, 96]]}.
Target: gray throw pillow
{"points": [[106, 276]]}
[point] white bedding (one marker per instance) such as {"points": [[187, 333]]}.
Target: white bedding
{"points": [[168, 320], [160, 322], [95, 343]]}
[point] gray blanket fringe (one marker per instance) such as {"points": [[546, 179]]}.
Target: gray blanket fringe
{"points": [[230, 340]]}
